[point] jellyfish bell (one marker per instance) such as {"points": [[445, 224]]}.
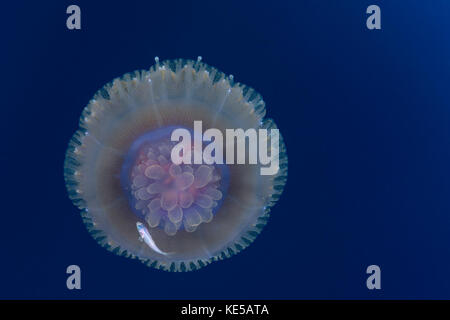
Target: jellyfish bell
{"points": [[138, 203]]}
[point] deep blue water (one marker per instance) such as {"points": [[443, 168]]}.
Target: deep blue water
{"points": [[365, 116]]}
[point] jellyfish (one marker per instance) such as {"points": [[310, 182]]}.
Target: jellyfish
{"points": [[119, 171]]}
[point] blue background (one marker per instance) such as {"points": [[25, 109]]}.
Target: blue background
{"points": [[365, 116]]}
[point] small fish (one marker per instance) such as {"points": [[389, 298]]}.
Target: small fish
{"points": [[145, 236]]}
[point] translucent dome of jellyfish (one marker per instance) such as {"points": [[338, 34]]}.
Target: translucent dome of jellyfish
{"points": [[135, 201]]}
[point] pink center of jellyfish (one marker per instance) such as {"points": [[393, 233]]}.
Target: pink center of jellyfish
{"points": [[173, 197]]}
